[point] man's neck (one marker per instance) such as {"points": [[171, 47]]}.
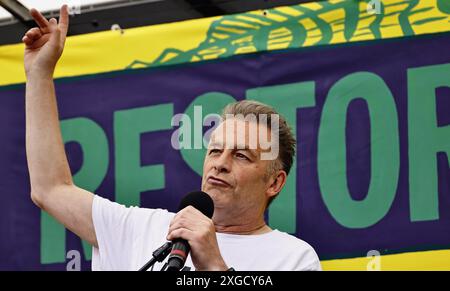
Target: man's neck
{"points": [[243, 229]]}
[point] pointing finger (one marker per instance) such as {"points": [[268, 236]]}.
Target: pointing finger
{"points": [[39, 18]]}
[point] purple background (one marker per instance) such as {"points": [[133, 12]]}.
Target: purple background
{"points": [[97, 97]]}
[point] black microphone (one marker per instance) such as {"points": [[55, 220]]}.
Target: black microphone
{"points": [[180, 249]]}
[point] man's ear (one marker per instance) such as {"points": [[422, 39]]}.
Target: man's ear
{"points": [[277, 184]]}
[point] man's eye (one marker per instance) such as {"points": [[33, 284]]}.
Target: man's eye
{"points": [[213, 151], [242, 156]]}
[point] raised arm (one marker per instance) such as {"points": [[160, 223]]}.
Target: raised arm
{"points": [[52, 187]]}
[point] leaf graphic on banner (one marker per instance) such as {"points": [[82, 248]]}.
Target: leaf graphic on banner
{"points": [[444, 6], [310, 24], [404, 18]]}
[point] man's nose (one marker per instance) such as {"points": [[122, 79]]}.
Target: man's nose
{"points": [[223, 163]]}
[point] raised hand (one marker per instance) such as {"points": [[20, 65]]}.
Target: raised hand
{"points": [[44, 44]]}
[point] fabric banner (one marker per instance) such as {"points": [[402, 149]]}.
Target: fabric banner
{"points": [[366, 93]]}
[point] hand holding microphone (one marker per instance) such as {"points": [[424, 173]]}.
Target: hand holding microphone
{"points": [[193, 230]]}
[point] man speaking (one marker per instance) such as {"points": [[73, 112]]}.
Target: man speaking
{"points": [[239, 181]]}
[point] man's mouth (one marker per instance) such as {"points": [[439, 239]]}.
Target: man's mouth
{"points": [[217, 182]]}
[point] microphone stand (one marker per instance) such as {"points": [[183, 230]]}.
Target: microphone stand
{"points": [[158, 256]]}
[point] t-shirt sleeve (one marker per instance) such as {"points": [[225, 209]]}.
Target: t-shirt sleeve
{"points": [[310, 260], [117, 228], [299, 255]]}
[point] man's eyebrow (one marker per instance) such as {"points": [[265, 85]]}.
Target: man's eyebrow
{"points": [[247, 148], [236, 147], [215, 145]]}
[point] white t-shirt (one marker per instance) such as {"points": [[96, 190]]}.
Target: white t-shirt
{"points": [[127, 238]]}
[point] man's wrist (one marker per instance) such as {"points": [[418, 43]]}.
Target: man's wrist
{"points": [[40, 73], [219, 266]]}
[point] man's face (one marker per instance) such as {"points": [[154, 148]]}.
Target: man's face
{"points": [[233, 173]]}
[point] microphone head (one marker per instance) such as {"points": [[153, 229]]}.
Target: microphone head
{"points": [[199, 200]]}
